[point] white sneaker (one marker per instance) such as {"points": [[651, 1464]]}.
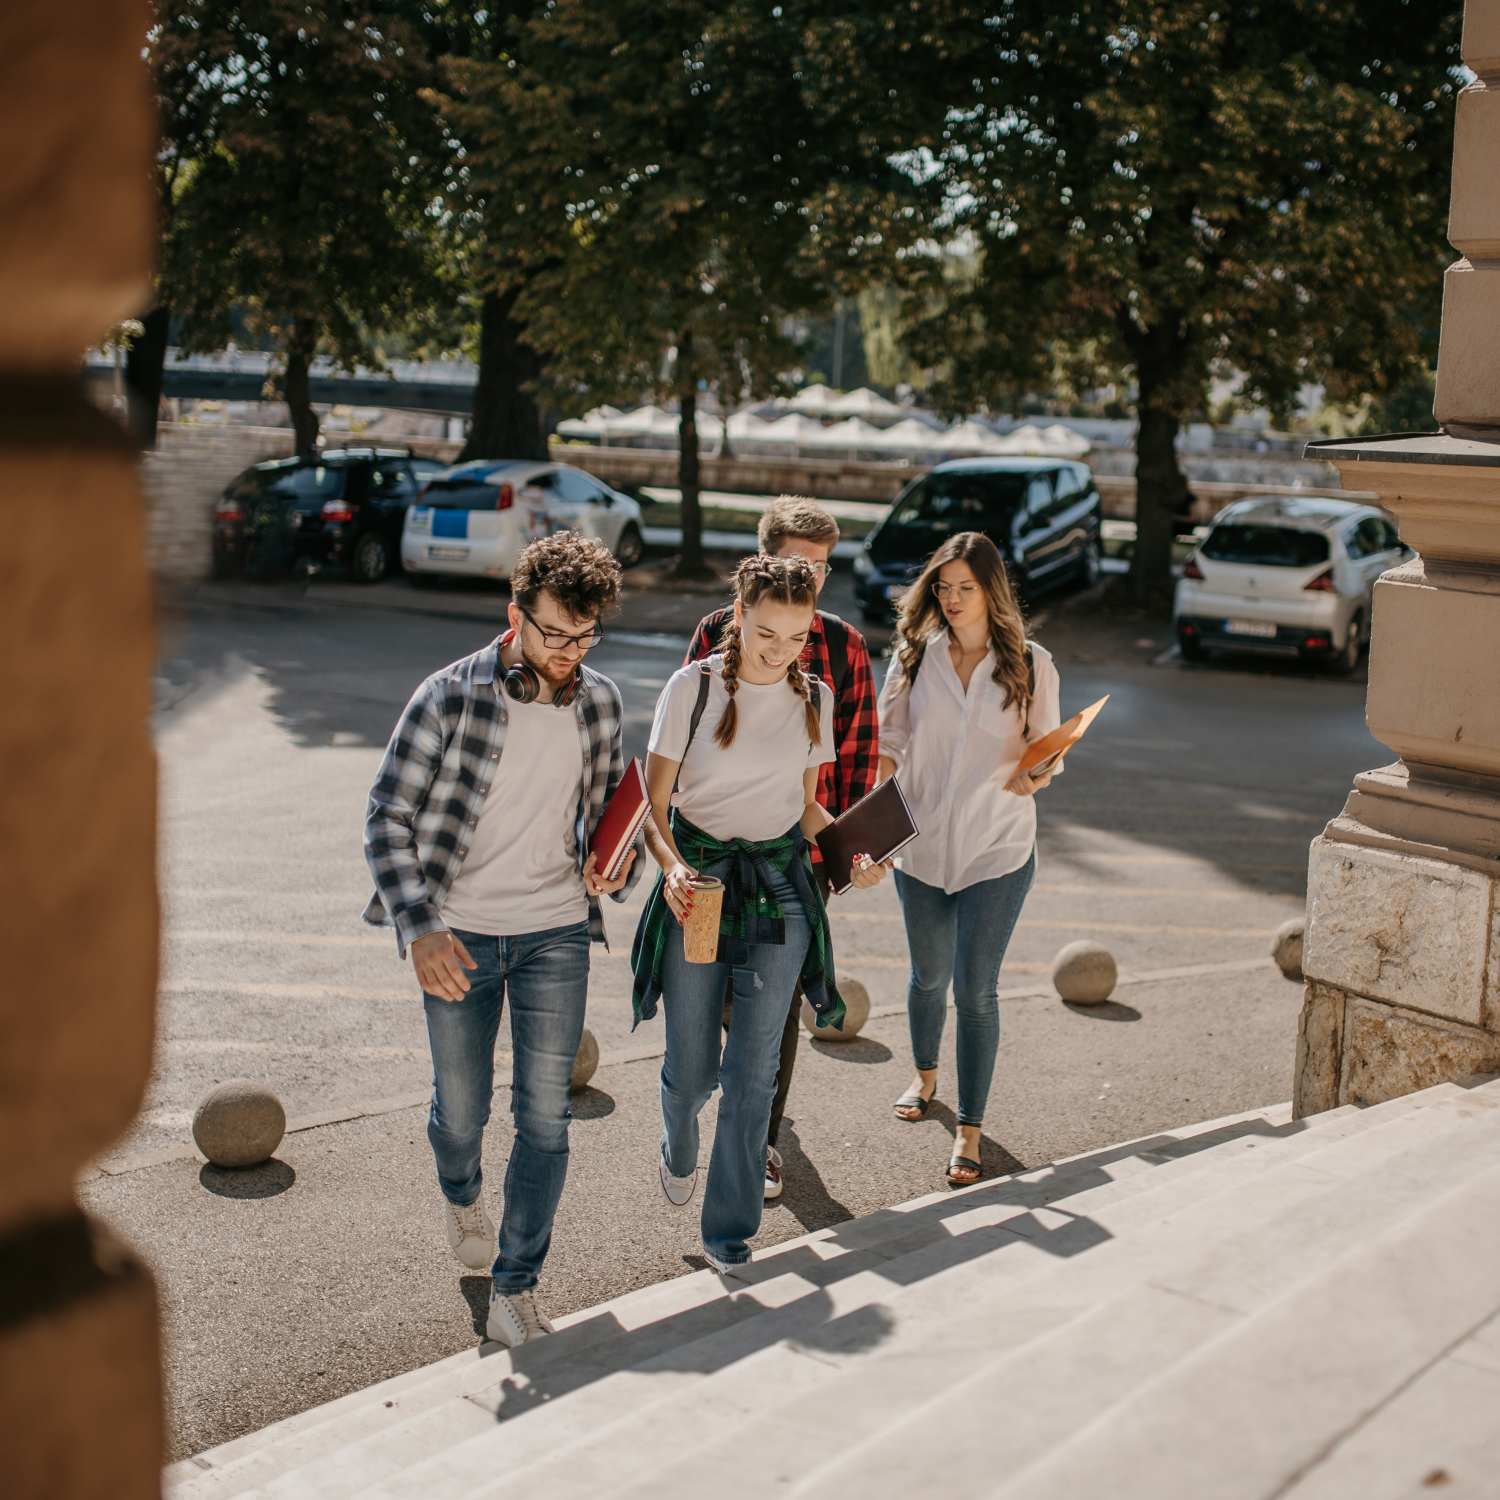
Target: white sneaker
{"points": [[515, 1319], [726, 1267], [678, 1191], [773, 1174], [471, 1234]]}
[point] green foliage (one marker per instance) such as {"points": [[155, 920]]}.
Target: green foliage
{"points": [[298, 170], [1177, 188]]}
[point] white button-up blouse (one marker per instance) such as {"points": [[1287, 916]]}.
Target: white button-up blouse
{"points": [[954, 751]]}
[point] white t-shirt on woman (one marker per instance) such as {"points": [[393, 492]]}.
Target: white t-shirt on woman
{"points": [[954, 752], [753, 789]]}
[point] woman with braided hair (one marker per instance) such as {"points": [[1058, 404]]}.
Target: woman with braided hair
{"points": [[745, 806], [963, 698]]}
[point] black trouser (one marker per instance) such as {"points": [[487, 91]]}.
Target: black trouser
{"points": [[790, 1033]]}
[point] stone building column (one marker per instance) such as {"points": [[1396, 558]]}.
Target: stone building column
{"points": [[1402, 953], [80, 1389]]}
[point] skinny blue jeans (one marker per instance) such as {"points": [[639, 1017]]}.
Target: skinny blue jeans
{"points": [[701, 1057], [546, 974], [960, 939]]}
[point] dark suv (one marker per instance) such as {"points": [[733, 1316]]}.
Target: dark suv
{"points": [[339, 512], [1042, 513]]}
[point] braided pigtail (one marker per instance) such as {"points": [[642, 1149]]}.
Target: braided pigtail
{"points": [[730, 641], [798, 679]]}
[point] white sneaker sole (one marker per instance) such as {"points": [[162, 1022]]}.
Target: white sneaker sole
{"points": [[773, 1190], [666, 1185]]}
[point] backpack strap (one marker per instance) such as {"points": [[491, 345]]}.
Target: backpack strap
{"points": [[836, 633], [705, 677]]}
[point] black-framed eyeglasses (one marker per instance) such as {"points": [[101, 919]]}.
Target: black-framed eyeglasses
{"points": [[554, 641]]}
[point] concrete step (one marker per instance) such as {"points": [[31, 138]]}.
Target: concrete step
{"points": [[1288, 1228], [922, 1358], [1249, 1413], [1437, 1436], [575, 1447], [637, 1326]]}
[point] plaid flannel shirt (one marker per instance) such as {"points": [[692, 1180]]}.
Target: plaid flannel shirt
{"points": [[856, 727], [431, 786]]}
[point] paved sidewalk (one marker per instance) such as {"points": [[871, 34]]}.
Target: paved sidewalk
{"points": [[291, 1284]]}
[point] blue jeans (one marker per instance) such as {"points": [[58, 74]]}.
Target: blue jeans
{"points": [[547, 974], [700, 1057], [960, 939]]}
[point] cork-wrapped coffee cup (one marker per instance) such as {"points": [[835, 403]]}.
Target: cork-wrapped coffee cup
{"points": [[700, 932]]}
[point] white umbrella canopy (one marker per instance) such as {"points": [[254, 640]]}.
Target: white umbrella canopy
{"points": [[643, 421], [1066, 443], [791, 428], [851, 433], [970, 436], [813, 400], [865, 403], [910, 436], [745, 426]]}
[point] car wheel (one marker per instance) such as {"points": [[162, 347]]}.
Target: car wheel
{"points": [[631, 547], [1346, 663], [1190, 647], [1089, 566], [371, 559]]}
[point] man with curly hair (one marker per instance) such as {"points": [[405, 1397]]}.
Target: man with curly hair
{"points": [[477, 834]]}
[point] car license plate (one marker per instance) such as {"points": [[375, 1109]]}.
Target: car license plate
{"points": [[1259, 628], [448, 554]]}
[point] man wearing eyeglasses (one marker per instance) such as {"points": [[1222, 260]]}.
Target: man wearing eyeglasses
{"points": [[477, 835], [835, 652]]}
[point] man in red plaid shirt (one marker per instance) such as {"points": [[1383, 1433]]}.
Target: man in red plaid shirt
{"points": [[837, 653]]}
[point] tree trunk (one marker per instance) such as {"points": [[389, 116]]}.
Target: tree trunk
{"points": [[1161, 492], [298, 391], [145, 366], [690, 562], [508, 422]]}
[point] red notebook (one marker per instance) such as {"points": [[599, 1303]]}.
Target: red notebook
{"points": [[619, 823]]}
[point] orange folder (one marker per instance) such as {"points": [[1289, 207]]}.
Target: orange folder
{"points": [[1043, 755]]}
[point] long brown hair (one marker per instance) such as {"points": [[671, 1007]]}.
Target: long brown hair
{"points": [[920, 614], [784, 580]]}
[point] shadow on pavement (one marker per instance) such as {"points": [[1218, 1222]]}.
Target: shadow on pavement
{"points": [[476, 1292], [592, 1104], [265, 1181], [861, 1049], [805, 1193], [1110, 1010]]}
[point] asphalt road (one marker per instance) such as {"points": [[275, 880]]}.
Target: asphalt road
{"points": [[1178, 838]]}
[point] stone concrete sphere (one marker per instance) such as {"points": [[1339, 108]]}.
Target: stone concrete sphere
{"points": [[856, 1013], [1286, 948], [239, 1124], [1084, 973], [586, 1063]]}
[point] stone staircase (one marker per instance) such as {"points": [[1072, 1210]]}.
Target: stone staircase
{"points": [[1252, 1307]]}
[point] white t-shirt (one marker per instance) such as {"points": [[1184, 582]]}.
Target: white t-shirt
{"points": [[954, 752], [521, 872], [753, 789]]}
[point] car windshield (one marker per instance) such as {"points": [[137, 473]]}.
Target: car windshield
{"points": [[941, 504], [461, 493], [1266, 546], [307, 482]]}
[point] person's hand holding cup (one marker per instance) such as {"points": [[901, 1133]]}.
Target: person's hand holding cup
{"points": [[678, 889]]}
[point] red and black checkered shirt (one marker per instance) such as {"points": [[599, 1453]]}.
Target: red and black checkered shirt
{"points": [[856, 727]]}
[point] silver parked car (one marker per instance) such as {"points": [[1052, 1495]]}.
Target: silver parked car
{"points": [[1287, 575], [475, 519]]}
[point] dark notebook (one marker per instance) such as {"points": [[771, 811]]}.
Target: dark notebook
{"points": [[879, 825]]}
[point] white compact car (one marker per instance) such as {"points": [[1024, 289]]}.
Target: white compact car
{"points": [[1287, 575], [475, 519]]}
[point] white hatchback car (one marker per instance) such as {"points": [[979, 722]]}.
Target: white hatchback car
{"points": [[1287, 575], [475, 519]]}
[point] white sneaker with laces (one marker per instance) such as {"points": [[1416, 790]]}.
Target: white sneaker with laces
{"points": [[515, 1319], [471, 1234], [726, 1267], [678, 1191], [773, 1174]]}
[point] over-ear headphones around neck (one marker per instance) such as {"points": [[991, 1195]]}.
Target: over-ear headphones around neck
{"points": [[522, 683]]}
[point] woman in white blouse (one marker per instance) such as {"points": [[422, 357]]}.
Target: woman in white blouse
{"points": [[964, 696]]}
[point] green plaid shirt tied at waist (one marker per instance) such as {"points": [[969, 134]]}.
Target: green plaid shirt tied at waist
{"points": [[752, 914]]}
